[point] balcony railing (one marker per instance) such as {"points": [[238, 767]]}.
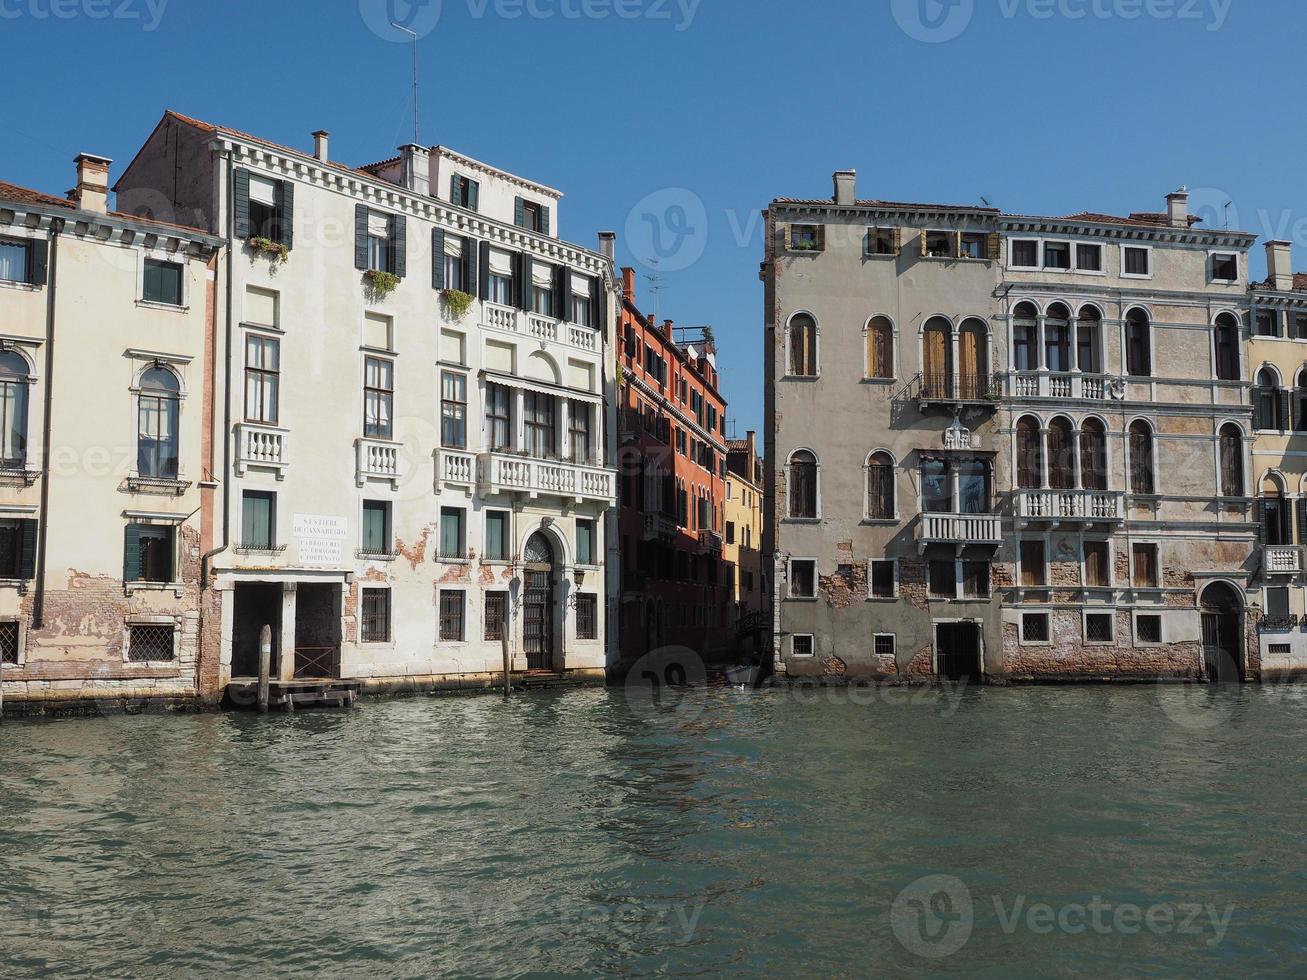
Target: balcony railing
{"points": [[979, 389], [1278, 624], [984, 529], [1281, 560], [1071, 505], [455, 467], [262, 445], [496, 316], [499, 472], [710, 542], [659, 526], [378, 459], [1062, 385], [499, 317]]}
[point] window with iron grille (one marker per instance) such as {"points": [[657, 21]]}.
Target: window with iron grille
{"points": [[1148, 629], [884, 644], [1100, 628], [149, 642], [1034, 628], [376, 615], [586, 618], [801, 645], [496, 606], [1281, 649], [451, 616], [9, 642]]}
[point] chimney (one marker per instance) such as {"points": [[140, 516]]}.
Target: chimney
{"points": [[92, 191], [1279, 266], [846, 187], [1177, 208], [628, 283], [608, 245], [320, 145], [417, 168]]}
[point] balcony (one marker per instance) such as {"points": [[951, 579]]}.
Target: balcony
{"points": [[1281, 560], [455, 468], [961, 529], [710, 543], [264, 446], [378, 459], [660, 527], [504, 472], [1064, 386], [1071, 505], [496, 316], [1278, 624], [955, 389]]}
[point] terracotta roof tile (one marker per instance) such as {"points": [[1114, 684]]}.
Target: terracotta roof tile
{"points": [[1299, 283], [898, 205], [12, 192]]}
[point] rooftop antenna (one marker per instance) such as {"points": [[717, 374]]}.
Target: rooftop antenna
{"points": [[1226, 220], [985, 201], [655, 280], [414, 36]]}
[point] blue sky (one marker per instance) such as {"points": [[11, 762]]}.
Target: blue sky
{"points": [[696, 113]]}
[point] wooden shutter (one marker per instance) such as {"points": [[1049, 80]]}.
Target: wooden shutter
{"points": [[1302, 520], [923, 242], [38, 255], [361, 236], [438, 260], [519, 212], [1282, 419], [399, 245], [483, 272], [971, 367], [599, 305], [544, 220], [1258, 421], [473, 195], [241, 203], [562, 292], [523, 284], [132, 554], [1261, 520], [898, 241], [821, 238], [469, 285], [993, 246], [453, 190], [27, 559], [286, 210]]}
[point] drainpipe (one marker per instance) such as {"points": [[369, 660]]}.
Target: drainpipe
{"points": [[52, 276], [226, 394]]}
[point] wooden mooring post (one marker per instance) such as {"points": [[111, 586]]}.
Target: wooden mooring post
{"points": [[265, 667]]}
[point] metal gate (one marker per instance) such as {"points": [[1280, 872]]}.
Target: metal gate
{"points": [[538, 619], [1220, 656]]}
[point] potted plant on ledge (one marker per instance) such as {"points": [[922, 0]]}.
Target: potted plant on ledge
{"points": [[380, 282], [457, 302], [277, 251]]}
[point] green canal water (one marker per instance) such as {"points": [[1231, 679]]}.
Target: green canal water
{"points": [[1005, 832]]}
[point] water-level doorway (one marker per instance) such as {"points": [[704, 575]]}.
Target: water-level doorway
{"points": [[317, 630], [957, 652], [538, 604], [257, 604], [1222, 634]]}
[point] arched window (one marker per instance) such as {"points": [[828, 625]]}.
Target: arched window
{"points": [[1030, 457], [1057, 338], [157, 415], [880, 348], [1142, 478], [1061, 455], [1089, 341], [13, 407], [803, 346], [973, 353], [1231, 455], [937, 358], [1025, 337], [1093, 455], [803, 485], [1138, 344], [1226, 338], [1274, 514], [880, 487], [1270, 403], [1300, 403]]}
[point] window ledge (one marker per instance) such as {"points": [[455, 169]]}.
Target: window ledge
{"points": [[270, 549], [25, 286], [878, 381], [801, 520], [149, 304], [880, 255], [882, 598], [364, 555], [800, 598], [178, 588], [453, 560], [879, 521], [1131, 275], [802, 377], [266, 327], [156, 485]]}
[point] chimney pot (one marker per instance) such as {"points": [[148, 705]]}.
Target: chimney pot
{"points": [[320, 144], [1177, 208], [92, 191], [417, 168], [846, 187], [628, 283], [608, 245], [1279, 266]]}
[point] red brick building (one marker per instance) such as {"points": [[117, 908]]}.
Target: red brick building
{"points": [[676, 588]]}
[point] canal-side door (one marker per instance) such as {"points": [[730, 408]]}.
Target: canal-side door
{"points": [[538, 604], [957, 652], [1222, 634]]}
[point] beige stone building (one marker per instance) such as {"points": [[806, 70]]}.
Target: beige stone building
{"points": [[1006, 446], [742, 552], [106, 492]]}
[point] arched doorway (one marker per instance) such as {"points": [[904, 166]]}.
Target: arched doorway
{"points": [[1222, 612], [538, 603]]}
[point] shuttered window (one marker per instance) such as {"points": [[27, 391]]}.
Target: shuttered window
{"points": [[1097, 569], [1144, 560], [803, 485], [1142, 478], [18, 549], [880, 348]]}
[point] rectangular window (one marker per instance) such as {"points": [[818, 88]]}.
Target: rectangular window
{"points": [[9, 638], [882, 241], [533, 217], [1034, 628], [262, 379], [378, 398], [499, 417], [587, 606], [579, 432], [805, 238], [375, 535], [1277, 604], [147, 642], [975, 579], [883, 644], [258, 519], [973, 245], [581, 310], [154, 553], [1136, 261], [496, 548], [265, 216], [939, 244], [1025, 253], [801, 645], [585, 543], [501, 288], [882, 579], [464, 192], [454, 271], [1057, 255], [163, 283], [15, 261], [542, 300], [1033, 573], [943, 579], [453, 410], [379, 251], [376, 616], [496, 610], [1145, 566], [451, 616], [1148, 629], [17, 539], [453, 546], [1098, 570], [730, 530], [1100, 628], [539, 424], [803, 579], [1225, 267], [1089, 258]]}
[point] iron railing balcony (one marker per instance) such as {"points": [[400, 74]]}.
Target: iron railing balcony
{"points": [[943, 388]]}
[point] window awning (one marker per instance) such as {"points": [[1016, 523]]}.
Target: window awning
{"points": [[378, 225], [501, 263], [580, 284], [540, 387], [263, 190], [542, 274]]}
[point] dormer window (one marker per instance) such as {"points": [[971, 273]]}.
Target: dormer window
{"points": [[531, 215], [464, 192]]}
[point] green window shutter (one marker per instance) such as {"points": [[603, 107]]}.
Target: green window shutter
{"points": [[473, 196], [598, 308], [132, 554], [519, 212], [562, 293], [361, 236], [1261, 520], [399, 245], [470, 266], [438, 260], [1258, 421], [1282, 422], [522, 282], [453, 189], [286, 211], [544, 220], [1302, 520], [241, 203], [27, 561], [171, 540], [38, 255], [483, 272]]}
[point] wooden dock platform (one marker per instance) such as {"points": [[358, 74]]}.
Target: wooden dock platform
{"points": [[243, 694]]}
